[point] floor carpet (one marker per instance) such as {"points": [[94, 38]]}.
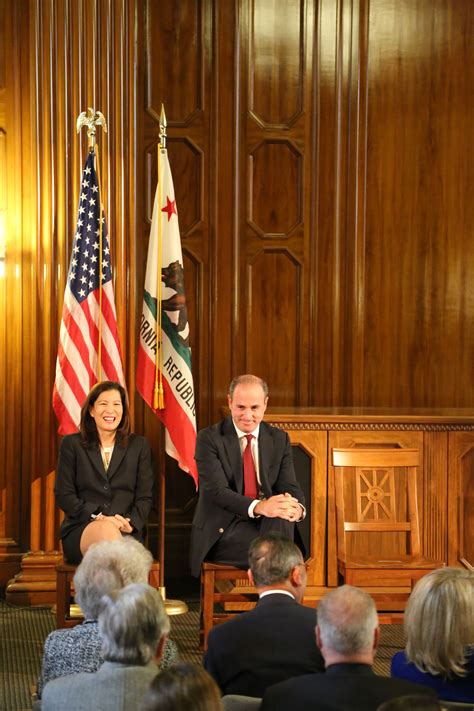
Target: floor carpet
{"points": [[23, 631]]}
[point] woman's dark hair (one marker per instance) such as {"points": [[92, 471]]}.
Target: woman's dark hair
{"points": [[187, 687], [88, 427]]}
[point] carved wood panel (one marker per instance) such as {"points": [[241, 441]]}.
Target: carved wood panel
{"points": [[461, 499]]}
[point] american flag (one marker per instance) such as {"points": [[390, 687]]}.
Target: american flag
{"points": [[84, 319]]}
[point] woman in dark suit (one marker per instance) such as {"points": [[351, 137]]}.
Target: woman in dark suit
{"points": [[104, 481]]}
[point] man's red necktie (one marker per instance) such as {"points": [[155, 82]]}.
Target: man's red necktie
{"points": [[250, 475]]}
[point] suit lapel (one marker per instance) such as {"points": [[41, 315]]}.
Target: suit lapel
{"points": [[232, 448], [265, 448], [96, 459], [117, 456]]}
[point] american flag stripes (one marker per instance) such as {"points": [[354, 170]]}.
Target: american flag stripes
{"points": [[88, 316]]}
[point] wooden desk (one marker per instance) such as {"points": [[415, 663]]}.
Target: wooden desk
{"points": [[445, 439]]}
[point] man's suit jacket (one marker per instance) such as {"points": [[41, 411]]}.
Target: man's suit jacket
{"points": [[221, 480], [274, 641], [115, 687], [82, 484], [344, 687]]}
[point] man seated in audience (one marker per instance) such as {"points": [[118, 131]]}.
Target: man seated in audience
{"points": [[133, 626], [347, 634], [107, 566], [275, 640]]}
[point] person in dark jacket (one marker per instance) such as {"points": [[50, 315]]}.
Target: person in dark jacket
{"points": [[347, 634], [104, 479], [275, 640]]}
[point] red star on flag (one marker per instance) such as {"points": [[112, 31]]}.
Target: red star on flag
{"points": [[170, 207]]}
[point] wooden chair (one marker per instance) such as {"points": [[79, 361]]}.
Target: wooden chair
{"points": [[375, 499], [65, 597], [214, 577]]}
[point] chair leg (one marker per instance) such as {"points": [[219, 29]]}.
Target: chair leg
{"points": [[63, 599], [154, 575], [207, 606]]}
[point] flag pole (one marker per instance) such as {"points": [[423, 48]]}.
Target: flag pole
{"points": [[158, 399], [173, 607], [92, 119], [158, 396]]}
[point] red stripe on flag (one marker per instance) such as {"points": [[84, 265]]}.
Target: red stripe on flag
{"points": [[108, 315], [70, 376], [89, 308], [76, 336], [67, 424]]}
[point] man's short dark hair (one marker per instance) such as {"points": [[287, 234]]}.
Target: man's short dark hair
{"points": [[272, 557]]}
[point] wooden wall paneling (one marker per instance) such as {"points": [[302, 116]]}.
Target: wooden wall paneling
{"points": [[10, 298], [272, 307], [325, 166], [354, 40], [12, 519], [420, 176], [40, 308], [460, 493], [225, 190], [340, 268], [3, 304], [392, 543], [434, 494]]}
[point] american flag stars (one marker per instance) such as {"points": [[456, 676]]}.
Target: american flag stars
{"points": [[84, 272]]}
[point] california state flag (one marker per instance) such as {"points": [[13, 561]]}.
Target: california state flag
{"points": [[164, 355]]}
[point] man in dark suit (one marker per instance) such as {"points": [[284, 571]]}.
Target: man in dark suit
{"points": [[275, 640], [246, 478], [347, 634]]}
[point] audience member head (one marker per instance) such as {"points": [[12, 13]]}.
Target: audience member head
{"points": [[108, 566], [417, 702], [439, 621], [186, 687], [133, 625], [276, 562], [347, 629], [87, 426]]}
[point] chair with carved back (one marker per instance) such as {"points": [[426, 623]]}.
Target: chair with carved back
{"points": [[376, 497], [225, 586]]}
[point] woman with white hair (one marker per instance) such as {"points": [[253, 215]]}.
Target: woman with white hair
{"points": [[439, 625], [133, 626], [107, 566]]}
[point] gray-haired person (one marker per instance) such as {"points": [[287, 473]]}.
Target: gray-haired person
{"points": [[347, 634], [133, 626], [275, 640], [107, 566]]}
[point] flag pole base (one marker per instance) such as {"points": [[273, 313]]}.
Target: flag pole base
{"points": [[173, 607]]}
